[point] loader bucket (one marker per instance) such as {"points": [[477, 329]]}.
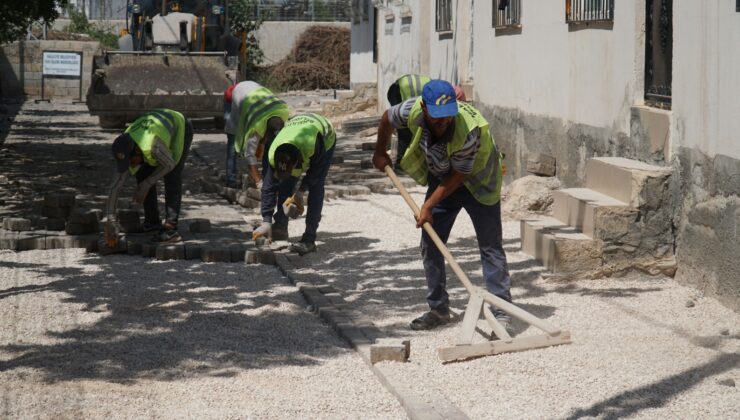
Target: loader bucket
{"points": [[127, 84]]}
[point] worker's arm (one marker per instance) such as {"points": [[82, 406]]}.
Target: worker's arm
{"points": [[385, 131], [251, 155], [461, 165], [166, 163], [449, 184], [113, 191]]}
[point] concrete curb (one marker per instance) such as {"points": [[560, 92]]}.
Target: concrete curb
{"points": [[360, 332]]}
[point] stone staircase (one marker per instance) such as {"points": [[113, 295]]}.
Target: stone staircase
{"points": [[621, 220]]}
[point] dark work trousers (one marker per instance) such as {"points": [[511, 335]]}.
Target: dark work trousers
{"points": [[487, 225], [274, 192], [172, 185], [230, 152]]}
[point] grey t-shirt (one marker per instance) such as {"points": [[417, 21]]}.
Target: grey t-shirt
{"points": [[237, 97]]}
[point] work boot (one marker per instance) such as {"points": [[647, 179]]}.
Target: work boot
{"points": [[303, 248], [430, 320], [505, 320], [279, 233], [167, 235]]}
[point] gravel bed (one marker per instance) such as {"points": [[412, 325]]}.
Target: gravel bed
{"points": [[640, 349], [85, 336]]}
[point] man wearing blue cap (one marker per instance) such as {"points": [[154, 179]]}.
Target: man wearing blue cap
{"points": [[453, 152]]}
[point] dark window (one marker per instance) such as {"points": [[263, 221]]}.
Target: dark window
{"points": [[658, 53], [444, 15], [583, 11], [507, 13]]}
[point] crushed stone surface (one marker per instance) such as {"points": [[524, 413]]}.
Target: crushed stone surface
{"points": [[85, 336]]}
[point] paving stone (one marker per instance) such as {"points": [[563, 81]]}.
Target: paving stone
{"points": [[134, 247], [260, 256], [366, 163], [59, 200], [254, 193], [211, 253], [200, 226], [120, 248], [148, 250], [52, 223], [9, 240], [82, 216], [337, 159], [166, 252], [192, 250], [390, 349], [56, 212], [368, 146], [127, 216], [16, 224], [81, 229], [359, 190], [237, 252], [246, 201], [28, 241]]}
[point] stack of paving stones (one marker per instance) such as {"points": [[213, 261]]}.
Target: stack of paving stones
{"points": [[129, 220], [56, 210]]}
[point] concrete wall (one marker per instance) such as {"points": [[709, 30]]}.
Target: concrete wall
{"points": [[706, 143], [362, 68], [20, 69], [277, 38]]}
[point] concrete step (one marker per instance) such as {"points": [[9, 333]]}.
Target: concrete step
{"points": [[560, 248], [620, 178], [580, 207]]}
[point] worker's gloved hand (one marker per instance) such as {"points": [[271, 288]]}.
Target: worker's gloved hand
{"points": [[293, 206], [111, 234], [264, 231]]}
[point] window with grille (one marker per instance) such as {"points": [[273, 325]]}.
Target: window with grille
{"points": [[582, 11], [507, 13], [444, 15]]}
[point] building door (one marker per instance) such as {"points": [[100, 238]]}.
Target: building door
{"points": [[658, 53]]}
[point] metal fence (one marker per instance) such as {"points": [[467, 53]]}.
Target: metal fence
{"points": [[507, 13], [303, 10], [577, 11]]}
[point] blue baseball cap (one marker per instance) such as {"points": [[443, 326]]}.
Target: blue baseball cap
{"points": [[439, 98]]}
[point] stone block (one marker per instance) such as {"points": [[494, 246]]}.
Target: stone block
{"points": [[52, 223], [211, 253], [192, 251], [390, 350], [254, 193], [120, 248], [366, 163], [337, 159], [358, 190], [134, 247], [148, 250], [200, 226], [28, 241], [56, 212], [59, 200], [541, 164], [620, 178], [368, 146], [237, 252], [9, 240], [245, 201], [127, 216], [260, 256], [81, 229], [131, 226], [16, 224], [166, 252], [560, 248]]}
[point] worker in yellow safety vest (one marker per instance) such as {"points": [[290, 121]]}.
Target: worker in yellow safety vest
{"points": [[404, 88], [452, 151], [153, 147]]}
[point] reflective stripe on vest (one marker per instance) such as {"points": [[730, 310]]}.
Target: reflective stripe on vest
{"points": [[253, 119], [411, 85], [166, 125], [301, 132], [484, 182]]}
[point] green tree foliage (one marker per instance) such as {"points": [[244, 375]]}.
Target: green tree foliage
{"points": [[240, 18], [80, 25], [16, 15]]}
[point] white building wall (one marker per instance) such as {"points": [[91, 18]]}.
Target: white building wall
{"points": [[583, 74], [706, 76], [362, 68]]}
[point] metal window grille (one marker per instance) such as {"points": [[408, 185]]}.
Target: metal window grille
{"points": [[444, 15], [511, 15], [581, 11], [305, 10]]}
